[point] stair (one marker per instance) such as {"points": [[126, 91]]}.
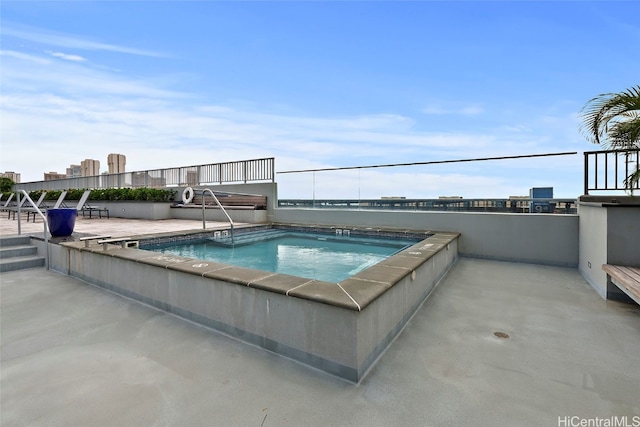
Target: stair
{"points": [[17, 253], [247, 238]]}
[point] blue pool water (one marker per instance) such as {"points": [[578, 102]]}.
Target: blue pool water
{"points": [[313, 256]]}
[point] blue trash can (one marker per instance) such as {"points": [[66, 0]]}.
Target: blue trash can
{"points": [[61, 221]]}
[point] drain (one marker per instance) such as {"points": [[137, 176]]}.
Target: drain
{"points": [[501, 335]]}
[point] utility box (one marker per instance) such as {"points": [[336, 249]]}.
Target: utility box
{"points": [[541, 193], [542, 206]]}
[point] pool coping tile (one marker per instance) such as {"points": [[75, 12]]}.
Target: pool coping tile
{"points": [[238, 275], [325, 292], [279, 283]]}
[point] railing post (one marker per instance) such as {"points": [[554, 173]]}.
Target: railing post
{"points": [[244, 171], [586, 173]]}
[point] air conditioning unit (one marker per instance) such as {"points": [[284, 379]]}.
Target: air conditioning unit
{"points": [[542, 207]]}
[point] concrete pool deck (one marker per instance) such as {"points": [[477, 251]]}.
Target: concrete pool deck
{"points": [[73, 354], [116, 227]]}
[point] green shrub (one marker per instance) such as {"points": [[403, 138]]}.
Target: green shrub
{"points": [[107, 194]]}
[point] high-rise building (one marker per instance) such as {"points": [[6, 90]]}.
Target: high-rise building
{"points": [[90, 167], [192, 178], [52, 176], [116, 163], [74, 171], [13, 176]]}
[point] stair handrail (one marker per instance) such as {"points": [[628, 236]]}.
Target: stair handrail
{"points": [[221, 208], [44, 221]]}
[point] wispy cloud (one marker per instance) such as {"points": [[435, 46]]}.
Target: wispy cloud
{"points": [[72, 76], [470, 110], [68, 57], [24, 56], [51, 38]]}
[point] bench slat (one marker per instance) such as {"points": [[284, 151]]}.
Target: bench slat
{"points": [[625, 278], [233, 200]]}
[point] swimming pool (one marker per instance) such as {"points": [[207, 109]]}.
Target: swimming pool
{"points": [[330, 258], [340, 328]]}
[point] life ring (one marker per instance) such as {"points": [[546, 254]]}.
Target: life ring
{"points": [[187, 195]]}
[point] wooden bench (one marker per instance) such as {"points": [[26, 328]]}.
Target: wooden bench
{"points": [[234, 201], [625, 278]]}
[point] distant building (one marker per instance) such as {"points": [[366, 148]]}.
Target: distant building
{"points": [[143, 179], [192, 178], [116, 163], [74, 171], [52, 176], [15, 177], [90, 167]]}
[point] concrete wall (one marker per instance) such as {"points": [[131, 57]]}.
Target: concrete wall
{"points": [[593, 246], [609, 234], [250, 216], [137, 209], [535, 238], [623, 237]]}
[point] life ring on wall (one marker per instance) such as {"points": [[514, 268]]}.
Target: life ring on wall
{"points": [[187, 195]]}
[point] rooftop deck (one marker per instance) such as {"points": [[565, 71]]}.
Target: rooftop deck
{"points": [[496, 343]]}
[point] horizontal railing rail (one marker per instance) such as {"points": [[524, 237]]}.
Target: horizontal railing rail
{"points": [[519, 205], [243, 171], [608, 170]]}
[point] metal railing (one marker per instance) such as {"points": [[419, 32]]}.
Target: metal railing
{"points": [[244, 171], [609, 169], [203, 193], [519, 205]]}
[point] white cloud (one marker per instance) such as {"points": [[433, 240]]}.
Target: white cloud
{"points": [[55, 113], [24, 57], [68, 57], [52, 38], [470, 110]]}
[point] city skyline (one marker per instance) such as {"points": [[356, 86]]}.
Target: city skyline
{"points": [[88, 167]]}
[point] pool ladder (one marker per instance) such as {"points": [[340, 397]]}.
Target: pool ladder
{"points": [[219, 205]]}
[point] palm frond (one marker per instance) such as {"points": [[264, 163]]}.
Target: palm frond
{"points": [[602, 115]]}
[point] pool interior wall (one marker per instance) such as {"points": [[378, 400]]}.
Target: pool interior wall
{"points": [[340, 328], [330, 257]]}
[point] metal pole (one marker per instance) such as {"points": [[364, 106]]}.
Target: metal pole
{"points": [[19, 225]]}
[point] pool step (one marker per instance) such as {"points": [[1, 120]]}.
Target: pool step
{"points": [[247, 238], [17, 253]]}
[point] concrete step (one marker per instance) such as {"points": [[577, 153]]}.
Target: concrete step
{"points": [[14, 240], [17, 250], [21, 263], [247, 238], [16, 253]]}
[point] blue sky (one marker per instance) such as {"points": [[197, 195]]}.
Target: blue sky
{"points": [[315, 84]]}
